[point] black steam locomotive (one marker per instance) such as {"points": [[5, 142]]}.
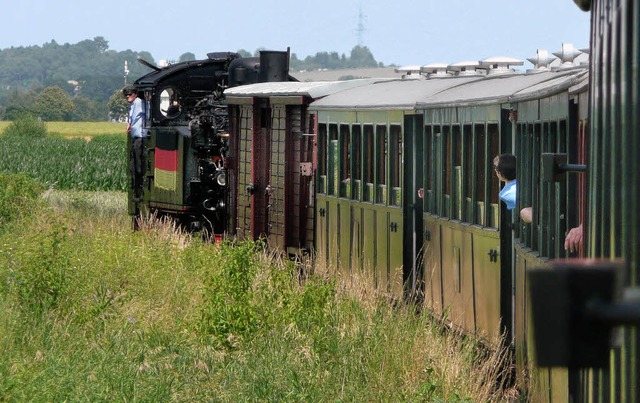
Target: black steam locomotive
{"points": [[187, 127]]}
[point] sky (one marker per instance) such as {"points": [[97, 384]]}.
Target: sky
{"points": [[410, 32]]}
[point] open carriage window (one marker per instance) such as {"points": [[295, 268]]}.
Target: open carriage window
{"points": [[356, 161], [322, 158], [345, 161], [368, 163], [429, 169], [395, 164], [482, 170], [381, 164], [333, 160], [456, 180], [468, 172], [446, 170], [493, 145]]}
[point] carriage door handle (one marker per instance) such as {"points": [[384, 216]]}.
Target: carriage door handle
{"points": [[493, 255]]}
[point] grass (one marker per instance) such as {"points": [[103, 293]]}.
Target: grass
{"points": [[92, 311]]}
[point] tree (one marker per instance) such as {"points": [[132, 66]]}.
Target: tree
{"points": [[88, 110], [361, 57], [118, 106], [53, 104], [187, 57], [19, 103]]}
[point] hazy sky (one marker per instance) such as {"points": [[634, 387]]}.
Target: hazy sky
{"points": [[400, 32]]}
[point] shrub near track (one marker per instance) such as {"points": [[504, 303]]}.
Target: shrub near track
{"points": [[61, 163]]}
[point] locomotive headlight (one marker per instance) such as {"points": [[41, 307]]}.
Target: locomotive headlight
{"points": [[221, 178]]}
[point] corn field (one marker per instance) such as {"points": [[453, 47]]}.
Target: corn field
{"points": [[99, 164]]}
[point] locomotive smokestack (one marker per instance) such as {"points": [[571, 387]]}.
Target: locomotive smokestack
{"points": [[274, 66]]}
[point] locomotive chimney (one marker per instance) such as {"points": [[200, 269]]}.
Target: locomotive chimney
{"points": [[274, 66]]}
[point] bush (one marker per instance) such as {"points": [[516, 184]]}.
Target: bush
{"points": [[252, 293], [18, 195], [38, 271], [26, 125], [229, 311]]}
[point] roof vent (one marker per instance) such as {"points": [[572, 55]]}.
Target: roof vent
{"points": [[541, 62], [500, 65], [587, 52], [435, 70], [567, 54], [466, 68], [409, 72]]}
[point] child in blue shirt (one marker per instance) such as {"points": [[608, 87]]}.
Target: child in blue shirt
{"points": [[505, 168]]}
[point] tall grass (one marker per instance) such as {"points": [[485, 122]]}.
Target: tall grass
{"points": [[92, 311]]}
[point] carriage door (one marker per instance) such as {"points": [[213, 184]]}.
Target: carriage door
{"points": [[413, 203], [260, 164]]}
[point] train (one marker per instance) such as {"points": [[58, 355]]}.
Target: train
{"points": [[392, 180]]}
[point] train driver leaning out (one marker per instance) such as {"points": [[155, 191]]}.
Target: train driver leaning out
{"points": [[505, 167], [135, 128]]}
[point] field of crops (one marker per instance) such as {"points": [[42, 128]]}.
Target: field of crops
{"points": [[79, 129], [67, 160]]}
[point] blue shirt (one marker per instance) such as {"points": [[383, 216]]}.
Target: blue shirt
{"points": [[136, 118], [508, 194]]}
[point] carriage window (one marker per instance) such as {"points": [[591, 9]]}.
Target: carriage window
{"points": [[524, 174], [322, 158], [494, 149], [345, 161], [265, 118], [467, 173], [428, 169], [395, 164], [332, 160], [548, 202], [446, 170], [456, 196], [357, 162], [381, 166], [369, 162], [536, 146], [482, 168]]}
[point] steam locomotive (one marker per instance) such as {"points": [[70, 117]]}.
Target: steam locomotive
{"points": [[392, 180], [187, 128]]}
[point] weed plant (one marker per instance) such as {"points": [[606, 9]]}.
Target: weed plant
{"points": [[94, 312], [18, 197]]}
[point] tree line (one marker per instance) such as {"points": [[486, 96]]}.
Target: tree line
{"points": [[82, 81]]}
